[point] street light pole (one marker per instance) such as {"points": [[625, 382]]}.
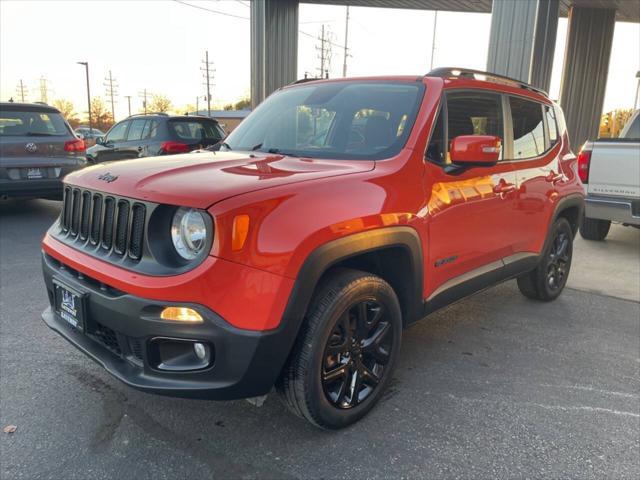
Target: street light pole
{"points": [[86, 67]]}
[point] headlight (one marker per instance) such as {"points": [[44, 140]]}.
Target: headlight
{"points": [[188, 232]]}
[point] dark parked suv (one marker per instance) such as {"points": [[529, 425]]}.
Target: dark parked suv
{"points": [[37, 149], [155, 134]]}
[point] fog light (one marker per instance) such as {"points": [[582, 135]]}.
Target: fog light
{"points": [[181, 314], [200, 350]]}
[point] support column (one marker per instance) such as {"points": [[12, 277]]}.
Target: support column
{"points": [[523, 39], [585, 71], [274, 46]]}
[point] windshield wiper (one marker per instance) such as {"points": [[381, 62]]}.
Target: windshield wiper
{"points": [[216, 146], [41, 134]]}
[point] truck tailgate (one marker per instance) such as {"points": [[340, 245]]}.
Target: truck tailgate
{"points": [[615, 169]]}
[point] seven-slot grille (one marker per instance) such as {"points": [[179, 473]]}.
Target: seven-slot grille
{"points": [[113, 224]]}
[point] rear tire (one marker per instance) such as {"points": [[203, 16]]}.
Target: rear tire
{"points": [[594, 229], [548, 279], [345, 352]]}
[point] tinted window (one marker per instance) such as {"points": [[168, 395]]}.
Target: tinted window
{"points": [[117, 132], [552, 125], [196, 130], [436, 148], [349, 120], [634, 129], [135, 130], [150, 129], [18, 123], [467, 113], [528, 128]]}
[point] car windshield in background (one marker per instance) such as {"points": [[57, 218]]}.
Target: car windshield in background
{"points": [[196, 130], [341, 120], [30, 123]]}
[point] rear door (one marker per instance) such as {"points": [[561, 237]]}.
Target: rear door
{"points": [[132, 146], [470, 213], [535, 156]]}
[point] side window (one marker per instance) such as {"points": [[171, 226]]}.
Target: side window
{"points": [[150, 129], [135, 131], [528, 128], [634, 129], [552, 125], [436, 148], [117, 133]]}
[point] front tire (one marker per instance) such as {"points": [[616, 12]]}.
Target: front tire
{"points": [[594, 229], [346, 350], [548, 279]]}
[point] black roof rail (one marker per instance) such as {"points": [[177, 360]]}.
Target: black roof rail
{"points": [[305, 80], [164, 114], [470, 73]]}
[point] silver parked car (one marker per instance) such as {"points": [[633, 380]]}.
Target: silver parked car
{"points": [[37, 149]]}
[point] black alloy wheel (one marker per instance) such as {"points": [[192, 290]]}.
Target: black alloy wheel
{"points": [[356, 354]]}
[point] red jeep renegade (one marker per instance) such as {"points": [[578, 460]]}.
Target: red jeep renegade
{"points": [[336, 215]]}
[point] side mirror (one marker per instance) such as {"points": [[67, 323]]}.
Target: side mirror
{"points": [[100, 140], [475, 150]]}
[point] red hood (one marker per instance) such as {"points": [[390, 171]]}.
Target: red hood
{"points": [[201, 179]]}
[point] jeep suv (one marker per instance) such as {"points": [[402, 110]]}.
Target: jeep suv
{"points": [[155, 134], [337, 214]]}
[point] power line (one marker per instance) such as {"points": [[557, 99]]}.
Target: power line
{"points": [[211, 10], [245, 18], [110, 91]]}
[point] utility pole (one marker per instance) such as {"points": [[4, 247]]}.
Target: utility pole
{"points": [[86, 68], [433, 40], [346, 41], [208, 73], [43, 90], [21, 89], [128, 97], [110, 91], [325, 52], [144, 95]]}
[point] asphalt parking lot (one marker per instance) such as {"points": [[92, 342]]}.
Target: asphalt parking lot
{"points": [[495, 386]]}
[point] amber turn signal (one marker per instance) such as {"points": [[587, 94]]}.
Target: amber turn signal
{"points": [[240, 231], [181, 314]]}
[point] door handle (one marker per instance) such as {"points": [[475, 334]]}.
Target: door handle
{"points": [[554, 177], [503, 188]]}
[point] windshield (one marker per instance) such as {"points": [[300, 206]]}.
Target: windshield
{"points": [[196, 130], [21, 123], [341, 120]]}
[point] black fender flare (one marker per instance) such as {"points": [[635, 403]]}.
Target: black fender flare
{"points": [[574, 200], [330, 254]]}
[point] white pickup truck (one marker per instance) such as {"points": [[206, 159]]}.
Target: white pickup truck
{"points": [[610, 171]]}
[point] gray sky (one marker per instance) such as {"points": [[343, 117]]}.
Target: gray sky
{"points": [[159, 45]]}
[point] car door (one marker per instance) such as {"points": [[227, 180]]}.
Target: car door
{"points": [[110, 148], [470, 210], [535, 156], [132, 146]]}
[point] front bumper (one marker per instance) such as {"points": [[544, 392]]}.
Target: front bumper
{"points": [[616, 209], [119, 329]]}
